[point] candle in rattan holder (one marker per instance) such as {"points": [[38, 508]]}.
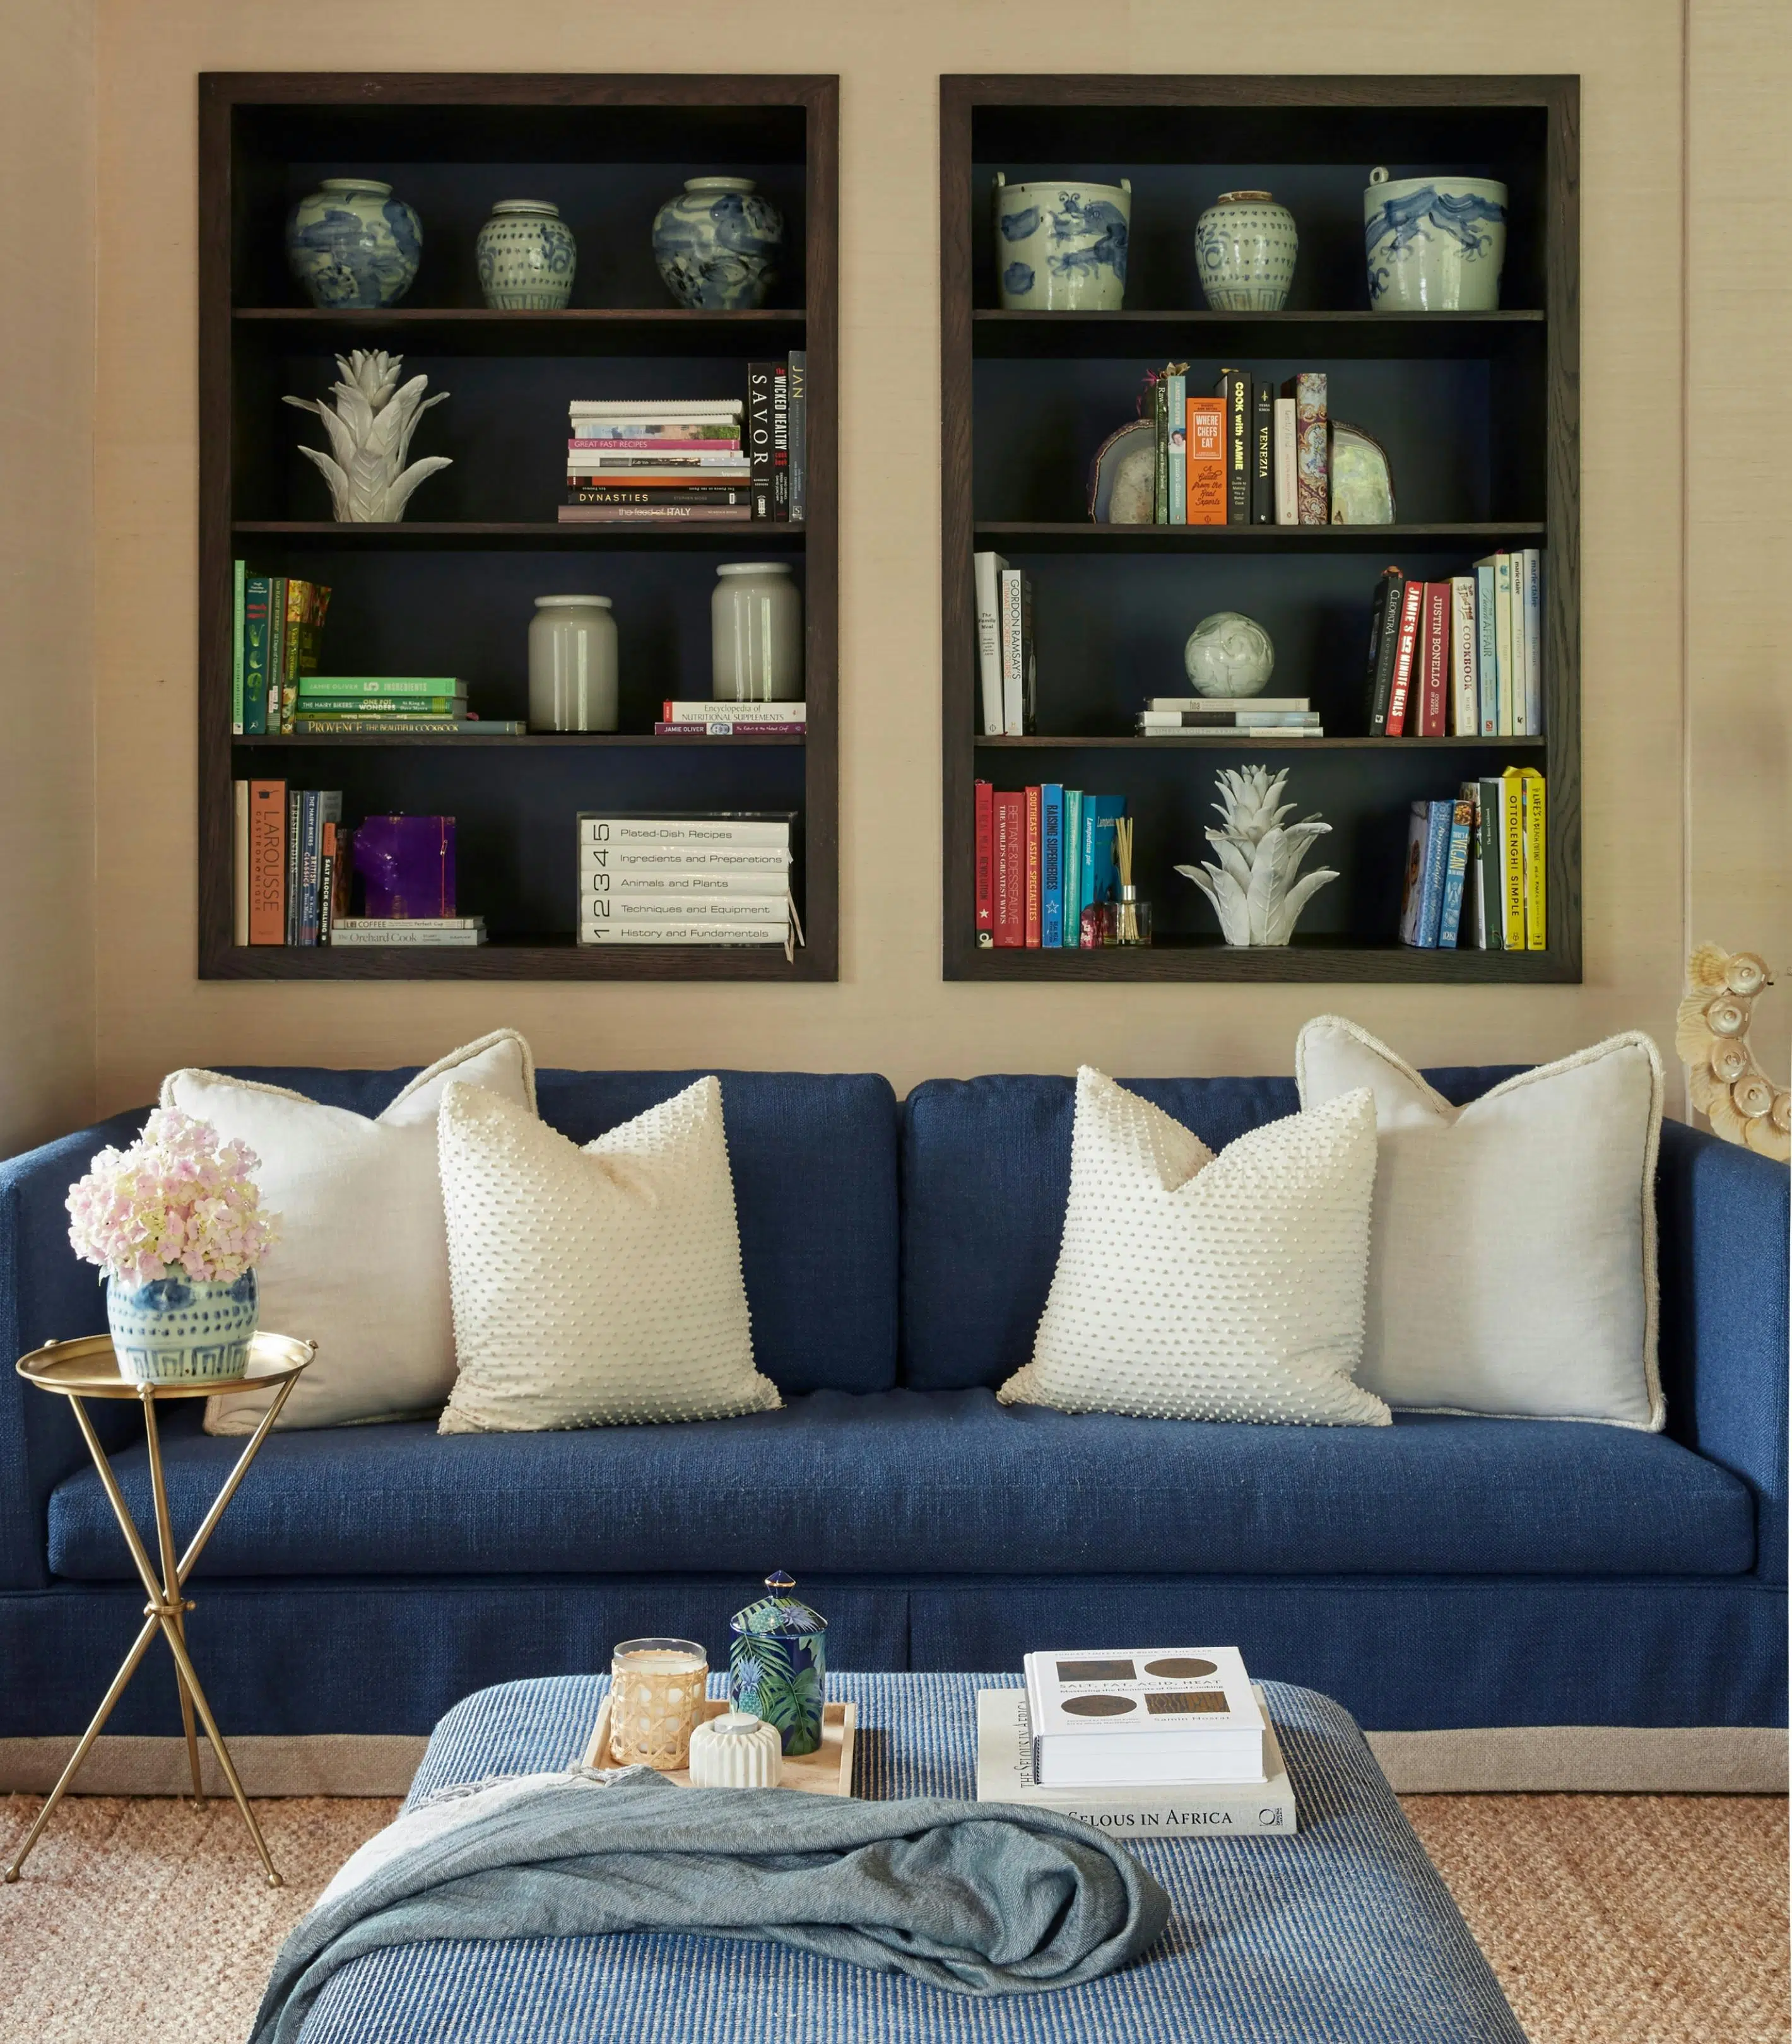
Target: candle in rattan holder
{"points": [[656, 1691]]}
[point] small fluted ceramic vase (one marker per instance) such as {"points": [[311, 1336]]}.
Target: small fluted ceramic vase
{"points": [[717, 245], [1244, 249], [778, 1665], [181, 1330], [1062, 248], [526, 257], [353, 246], [1434, 245]]}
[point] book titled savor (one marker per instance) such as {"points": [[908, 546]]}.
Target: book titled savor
{"points": [[1147, 1717]]}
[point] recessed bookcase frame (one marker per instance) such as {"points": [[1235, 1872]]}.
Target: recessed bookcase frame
{"points": [[453, 143], [1491, 452]]}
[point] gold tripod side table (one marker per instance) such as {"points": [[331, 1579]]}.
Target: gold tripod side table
{"points": [[89, 1368]]}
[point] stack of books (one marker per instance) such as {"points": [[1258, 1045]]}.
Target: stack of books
{"points": [[1477, 868], [673, 879], [1254, 453], [732, 720], [1263, 717], [1044, 859], [1459, 658], [277, 630], [285, 863], [677, 460], [1173, 1742], [341, 705]]}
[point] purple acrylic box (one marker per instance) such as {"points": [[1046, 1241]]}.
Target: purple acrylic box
{"points": [[406, 866]]}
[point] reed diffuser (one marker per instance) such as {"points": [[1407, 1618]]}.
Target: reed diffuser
{"points": [[1129, 920]]}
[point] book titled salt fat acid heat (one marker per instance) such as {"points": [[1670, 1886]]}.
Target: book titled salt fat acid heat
{"points": [[1144, 1716]]}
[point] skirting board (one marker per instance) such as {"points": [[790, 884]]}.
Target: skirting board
{"points": [[1508, 1759]]}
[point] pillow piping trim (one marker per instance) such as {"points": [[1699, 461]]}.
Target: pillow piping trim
{"points": [[1625, 1039]]}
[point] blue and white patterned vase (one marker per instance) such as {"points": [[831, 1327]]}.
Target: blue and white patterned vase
{"points": [[1060, 248], [1244, 250], [353, 246], [778, 1665], [717, 245], [180, 1330], [1434, 245], [527, 257]]}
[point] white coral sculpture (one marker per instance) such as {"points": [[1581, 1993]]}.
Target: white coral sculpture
{"points": [[1253, 888], [370, 433], [1743, 1103]]}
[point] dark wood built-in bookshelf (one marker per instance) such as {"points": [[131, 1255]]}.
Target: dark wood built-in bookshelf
{"points": [[1479, 413], [451, 590]]}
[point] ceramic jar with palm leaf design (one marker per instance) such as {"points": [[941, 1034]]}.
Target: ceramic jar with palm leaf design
{"points": [[778, 1665]]}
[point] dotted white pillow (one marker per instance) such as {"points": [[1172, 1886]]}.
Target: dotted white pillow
{"points": [[594, 1287], [1192, 1286]]}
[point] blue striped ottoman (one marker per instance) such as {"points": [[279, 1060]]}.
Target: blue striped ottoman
{"points": [[1343, 1935]]}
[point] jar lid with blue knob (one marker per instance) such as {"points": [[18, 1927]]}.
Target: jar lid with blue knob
{"points": [[777, 1664]]}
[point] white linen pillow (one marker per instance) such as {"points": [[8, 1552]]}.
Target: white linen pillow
{"points": [[598, 1286], [361, 1265], [1513, 1267], [1192, 1286]]}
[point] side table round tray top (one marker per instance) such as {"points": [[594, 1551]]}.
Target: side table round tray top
{"points": [[88, 1368]]}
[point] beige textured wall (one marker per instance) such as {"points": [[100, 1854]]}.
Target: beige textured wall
{"points": [[46, 570], [1739, 450], [890, 1012]]}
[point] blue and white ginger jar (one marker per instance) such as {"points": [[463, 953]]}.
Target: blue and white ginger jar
{"points": [[1434, 245], [1060, 248], [778, 1665], [353, 246], [182, 1330], [1244, 250], [526, 256], [717, 245]]}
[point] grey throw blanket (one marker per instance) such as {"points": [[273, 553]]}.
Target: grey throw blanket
{"points": [[977, 1898]]}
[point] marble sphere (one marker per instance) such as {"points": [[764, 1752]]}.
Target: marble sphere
{"points": [[1229, 654]]}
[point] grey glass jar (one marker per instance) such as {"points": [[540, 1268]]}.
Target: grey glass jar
{"points": [[755, 631]]}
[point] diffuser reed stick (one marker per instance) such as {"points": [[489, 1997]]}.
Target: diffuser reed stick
{"points": [[1129, 921]]}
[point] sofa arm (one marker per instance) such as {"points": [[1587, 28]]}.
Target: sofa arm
{"points": [[46, 1294], [1724, 1214]]}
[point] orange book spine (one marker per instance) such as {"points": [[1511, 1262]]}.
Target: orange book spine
{"points": [[1206, 459], [1032, 870], [267, 862]]}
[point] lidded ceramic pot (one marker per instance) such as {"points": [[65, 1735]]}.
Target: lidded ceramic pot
{"points": [[353, 246], [737, 1751], [1061, 247], [1244, 249], [778, 1665], [527, 257], [1434, 245], [716, 244]]}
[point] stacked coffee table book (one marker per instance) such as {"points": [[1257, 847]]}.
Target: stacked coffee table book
{"points": [[1166, 1742]]}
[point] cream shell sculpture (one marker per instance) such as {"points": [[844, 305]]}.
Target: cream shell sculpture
{"points": [[1743, 1104], [737, 1751]]}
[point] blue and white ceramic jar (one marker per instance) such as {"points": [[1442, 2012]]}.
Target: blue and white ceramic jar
{"points": [[717, 245], [353, 246], [1244, 250], [181, 1330], [1062, 248], [1434, 245], [778, 1665], [526, 256]]}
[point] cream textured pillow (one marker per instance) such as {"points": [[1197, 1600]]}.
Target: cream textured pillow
{"points": [[1514, 1270], [361, 1265], [594, 1287], [1195, 1287]]}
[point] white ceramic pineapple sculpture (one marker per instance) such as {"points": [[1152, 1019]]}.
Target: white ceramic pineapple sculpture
{"points": [[1254, 888], [370, 433]]}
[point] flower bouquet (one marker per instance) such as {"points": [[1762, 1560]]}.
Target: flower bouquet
{"points": [[176, 1225]]}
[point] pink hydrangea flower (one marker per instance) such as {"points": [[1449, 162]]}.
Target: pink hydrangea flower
{"points": [[178, 1199]]}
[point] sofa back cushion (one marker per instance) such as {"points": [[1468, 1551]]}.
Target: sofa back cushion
{"points": [[986, 1172], [813, 1159]]}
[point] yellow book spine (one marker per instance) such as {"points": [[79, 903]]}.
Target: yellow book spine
{"points": [[1535, 862], [1511, 844]]}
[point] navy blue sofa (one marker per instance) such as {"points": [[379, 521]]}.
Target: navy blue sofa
{"points": [[1440, 1573]]}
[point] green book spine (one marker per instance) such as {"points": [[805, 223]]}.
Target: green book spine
{"points": [[256, 595], [394, 708], [1160, 436], [313, 686], [276, 651], [239, 576]]}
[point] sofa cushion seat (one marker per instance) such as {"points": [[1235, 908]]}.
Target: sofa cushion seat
{"points": [[904, 1484]]}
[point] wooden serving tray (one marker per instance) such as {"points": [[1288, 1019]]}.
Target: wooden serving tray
{"points": [[827, 1771]]}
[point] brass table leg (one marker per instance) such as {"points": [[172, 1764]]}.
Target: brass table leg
{"points": [[165, 1613]]}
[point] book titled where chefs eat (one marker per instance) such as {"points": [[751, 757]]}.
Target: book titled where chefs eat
{"points": [[1146, 1716]]}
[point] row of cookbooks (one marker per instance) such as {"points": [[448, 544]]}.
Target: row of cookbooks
{"points": [[693, 460], [1252, 454], [1477, 869], [671, 877], [1459, 658], [1045, 865]]}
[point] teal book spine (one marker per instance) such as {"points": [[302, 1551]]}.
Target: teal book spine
{"points": [[1456, 875], [1073, 867], [1051, 867], [1431, 877], [1099, 815], [239, 576], [1176, 428]]}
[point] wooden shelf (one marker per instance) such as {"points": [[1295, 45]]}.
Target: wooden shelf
{"points": [[530, 958], [578, 331], [1324, 336], [1021, 537], [1231, 740], [524, 740], [1315, 959], [421, 534]]}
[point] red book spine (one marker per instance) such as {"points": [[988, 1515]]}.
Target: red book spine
{"points": [[986, 863], [1033, 869], [1406, 647], [1010, 868], [267, 862], [1434, 709]]}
